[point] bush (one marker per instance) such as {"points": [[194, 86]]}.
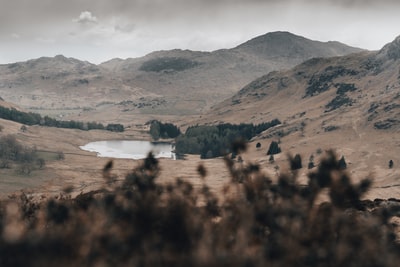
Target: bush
{"points": [[115, 127], [257, 222]]}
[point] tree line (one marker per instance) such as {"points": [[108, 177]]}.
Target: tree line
{"points": [[163, 130], [30, 118], [214, 141], [12, 153]]}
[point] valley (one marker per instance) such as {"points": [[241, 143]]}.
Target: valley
{"points": [[327, 96]]}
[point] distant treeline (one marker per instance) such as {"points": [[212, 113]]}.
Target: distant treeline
{"points": [[163, 130], [30, 118], [215, 141]]}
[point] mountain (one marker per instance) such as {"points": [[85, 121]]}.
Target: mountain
{"points": [[366, 82], [350, 104], [175, 82], [61, 85], [286, 45], [193, 81]]}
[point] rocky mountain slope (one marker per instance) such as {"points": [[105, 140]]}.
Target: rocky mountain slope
{"points": [[350, 104], [173, 82], [60, 83], [193, 81], [366, 83]]}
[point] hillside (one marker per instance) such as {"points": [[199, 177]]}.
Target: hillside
{"points": [[193, 81], [350, 104], [365, 83], [176, 82]]}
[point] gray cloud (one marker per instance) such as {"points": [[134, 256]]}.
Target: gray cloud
{"points": [[97, 30], [125, 28]]}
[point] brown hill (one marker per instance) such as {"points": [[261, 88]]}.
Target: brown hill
{"points": [[365, 83], [172, 82], [61, 85], [350, 104], [191, 81]]}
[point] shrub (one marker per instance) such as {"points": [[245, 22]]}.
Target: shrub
{"points": [[257, 222], [115, 127]]}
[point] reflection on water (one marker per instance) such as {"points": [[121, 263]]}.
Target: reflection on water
{"points": [[127, 149]]}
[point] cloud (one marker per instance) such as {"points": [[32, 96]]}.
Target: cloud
{"points": [[125, 28], [86, 17]]}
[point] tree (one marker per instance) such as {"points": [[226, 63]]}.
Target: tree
{"points": [[342, 163], [390, 164], [23, 128], [295, 163], [271, 159], [115, 127], [274, 148], [155, 130], [258, 145], [311, 162]]}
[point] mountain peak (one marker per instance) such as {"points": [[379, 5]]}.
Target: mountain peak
{"points": [[289, 45], [271, 38], [391, 50]]}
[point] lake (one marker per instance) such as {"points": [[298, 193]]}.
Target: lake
{"points": [[127, 149]]}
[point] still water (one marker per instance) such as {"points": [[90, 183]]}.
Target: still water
{"points": [[127, 149]]}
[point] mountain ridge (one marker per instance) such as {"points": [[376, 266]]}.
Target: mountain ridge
{"points": [[175, 82]]}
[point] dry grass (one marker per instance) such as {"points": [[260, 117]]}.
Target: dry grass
{"points": [[136, 221]]}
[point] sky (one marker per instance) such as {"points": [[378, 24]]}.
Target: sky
{"points": [[99, 30]]}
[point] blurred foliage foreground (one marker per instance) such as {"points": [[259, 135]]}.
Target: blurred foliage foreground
{"points": [[255, 222]]}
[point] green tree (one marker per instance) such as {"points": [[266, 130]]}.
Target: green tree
{"points": [[274, 148], [295, 163], [155, 130], [342, 163]]}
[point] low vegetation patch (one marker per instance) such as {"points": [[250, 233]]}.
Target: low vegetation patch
{"points": [[30, 118], [168, 64], [255, 222], [321, 82]]}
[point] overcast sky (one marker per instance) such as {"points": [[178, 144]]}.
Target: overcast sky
{"points": [[99, 30]]}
